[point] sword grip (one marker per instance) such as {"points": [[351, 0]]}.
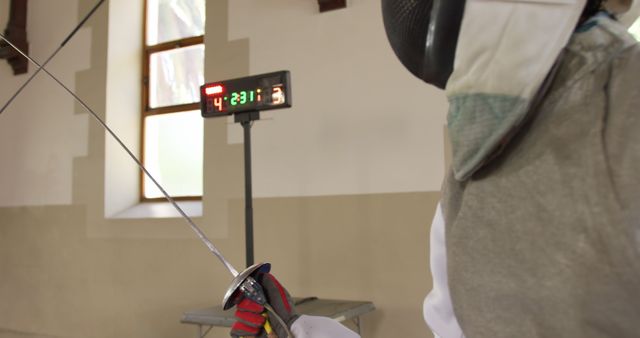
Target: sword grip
{"points": [[253, 290]]}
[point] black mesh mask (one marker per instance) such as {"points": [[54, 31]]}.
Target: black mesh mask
{"points": [[424, 35]]}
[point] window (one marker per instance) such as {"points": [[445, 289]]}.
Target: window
{"points": [[173, 70], [635, 29]]}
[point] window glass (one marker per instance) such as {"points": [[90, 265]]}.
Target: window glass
{"points": [[635, 29], [169, 20], [175, 76], [173, 153]]}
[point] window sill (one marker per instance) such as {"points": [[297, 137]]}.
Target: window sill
{"points": [[160, 210]]}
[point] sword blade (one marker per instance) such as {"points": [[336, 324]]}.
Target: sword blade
{"points": [[168, 197]]}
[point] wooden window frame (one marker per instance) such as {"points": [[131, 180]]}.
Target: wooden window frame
{"points": [[147, 110]]}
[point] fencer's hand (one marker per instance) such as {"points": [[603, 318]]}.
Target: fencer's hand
{"points": [[249, 318]]}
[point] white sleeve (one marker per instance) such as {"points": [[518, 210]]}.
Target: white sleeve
{"points": [[437, 307], [320, 327]]}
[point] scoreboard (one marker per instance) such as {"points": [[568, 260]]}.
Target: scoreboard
{"points": [[247, 94]]}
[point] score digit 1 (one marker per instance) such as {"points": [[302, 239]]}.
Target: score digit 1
{"points": [[217, 101]]}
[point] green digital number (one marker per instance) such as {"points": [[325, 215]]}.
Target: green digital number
{"points": [[234, 99], [243, 97]]}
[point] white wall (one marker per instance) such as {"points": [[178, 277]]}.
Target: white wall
{"points": [[360, 122], [123, 104], [39, 133]]}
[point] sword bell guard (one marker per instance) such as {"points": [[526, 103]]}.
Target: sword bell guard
{"points": [[244, 285]]}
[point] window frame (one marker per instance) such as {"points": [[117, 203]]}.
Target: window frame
{"points": [[146, 110]]}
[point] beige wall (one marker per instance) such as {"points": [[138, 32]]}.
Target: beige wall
{"points": [[360, 123], [56, 281], [66, 271], [48, 142]]}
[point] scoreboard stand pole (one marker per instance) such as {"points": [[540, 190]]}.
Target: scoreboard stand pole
{"points": [[246, 120], [245, 98]]}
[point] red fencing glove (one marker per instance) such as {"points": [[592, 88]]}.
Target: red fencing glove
{"points": [[249, 317]]}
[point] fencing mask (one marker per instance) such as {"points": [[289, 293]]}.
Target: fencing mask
{"points": [[490, 56], [424, 34]]}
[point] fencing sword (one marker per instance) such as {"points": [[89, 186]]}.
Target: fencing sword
{"points": [[243, 283]]}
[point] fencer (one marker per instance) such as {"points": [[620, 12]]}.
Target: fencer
{"points": [[538, 230]]}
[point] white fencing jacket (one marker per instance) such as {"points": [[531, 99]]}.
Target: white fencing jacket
{"points": [[437, 308]]}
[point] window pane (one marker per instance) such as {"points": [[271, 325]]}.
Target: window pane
{"points": [[169, 20], [175, 76], [173, 154], [635, 29]]}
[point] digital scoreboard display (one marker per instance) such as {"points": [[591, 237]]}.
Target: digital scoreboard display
{"points": [[247, 94]]}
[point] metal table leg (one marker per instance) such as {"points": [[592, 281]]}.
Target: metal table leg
{"points": [[203, 334]]}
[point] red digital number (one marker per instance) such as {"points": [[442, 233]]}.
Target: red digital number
{"points": [[217, 101], [277, 96]]}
